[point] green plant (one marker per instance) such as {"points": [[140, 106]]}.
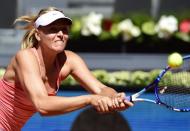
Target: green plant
{"points": [[101, 75], [2, 71], [127, 79], [133, 26], [69, 81], [120, 78]]}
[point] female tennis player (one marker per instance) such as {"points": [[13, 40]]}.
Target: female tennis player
{"points": [[32, 78]]}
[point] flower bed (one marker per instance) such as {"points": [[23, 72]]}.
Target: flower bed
{"points": [[139, 33]]}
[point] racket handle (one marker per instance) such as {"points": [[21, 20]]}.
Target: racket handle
{"points": [[128, 98]]}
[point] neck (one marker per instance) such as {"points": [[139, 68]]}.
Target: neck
{"points": [[47, 58]]}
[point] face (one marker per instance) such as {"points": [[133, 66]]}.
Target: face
{"points": [[54, 36]]}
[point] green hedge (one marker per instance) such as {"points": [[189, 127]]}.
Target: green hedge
{"points": [[119, 78], [2, 71], [130, 79], [135, 79]]}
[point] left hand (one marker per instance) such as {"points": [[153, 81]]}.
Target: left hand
{"points": [[119, 102]]}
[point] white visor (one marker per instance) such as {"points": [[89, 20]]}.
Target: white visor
{"points": [[50, 17]]}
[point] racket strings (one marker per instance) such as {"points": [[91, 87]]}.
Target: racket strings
{"points": [[175, 98], [174, 87]]}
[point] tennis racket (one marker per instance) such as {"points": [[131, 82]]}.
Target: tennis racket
{"points": [[171, 88]]}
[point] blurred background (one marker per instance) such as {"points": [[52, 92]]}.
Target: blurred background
{"points": [[124, 42], [104, 29]]}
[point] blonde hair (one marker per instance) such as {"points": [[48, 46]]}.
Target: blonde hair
{"points": [[29, 40]]}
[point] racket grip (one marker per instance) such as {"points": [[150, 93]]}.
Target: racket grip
{"points": [[128, 98]]}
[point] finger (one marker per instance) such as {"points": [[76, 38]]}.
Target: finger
{"points": [[128, 103], [121, 95], [122, 105], [101, 105], [109, 102], [98, 109], [113, 104], [116, 102], [105, 105]]}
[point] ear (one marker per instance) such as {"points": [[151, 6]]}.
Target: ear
{"points": [[37, 35]]}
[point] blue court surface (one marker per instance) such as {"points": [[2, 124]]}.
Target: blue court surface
{"points": [[141, 117]]}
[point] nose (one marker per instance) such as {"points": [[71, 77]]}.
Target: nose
{"points": [[60, 33]]}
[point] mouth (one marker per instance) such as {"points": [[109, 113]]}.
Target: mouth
{"points": [[60, 41]]}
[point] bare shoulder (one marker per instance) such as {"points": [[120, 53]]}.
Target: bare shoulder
{"points": [[74, 59], [70, 61], [71, 55], [21, 59], [23, 53], [25, 56]]}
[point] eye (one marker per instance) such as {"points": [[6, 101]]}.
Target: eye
{"points": [[54, 29], [64, 30]]}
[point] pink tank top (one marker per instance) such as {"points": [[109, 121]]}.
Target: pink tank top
{"points": [[15, 107]]}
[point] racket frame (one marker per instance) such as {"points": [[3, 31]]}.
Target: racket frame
{"points": [[154, 84]]}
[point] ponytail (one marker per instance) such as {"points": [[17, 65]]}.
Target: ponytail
{"points": [[27, 23]]}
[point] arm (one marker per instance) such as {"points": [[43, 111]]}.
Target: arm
{"points": [[28, 74], [83, 75]]}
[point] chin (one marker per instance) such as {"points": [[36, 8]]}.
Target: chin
{"points": [[59, 47]]}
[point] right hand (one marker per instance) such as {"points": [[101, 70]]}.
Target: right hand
{"points": [[120, 103]]}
